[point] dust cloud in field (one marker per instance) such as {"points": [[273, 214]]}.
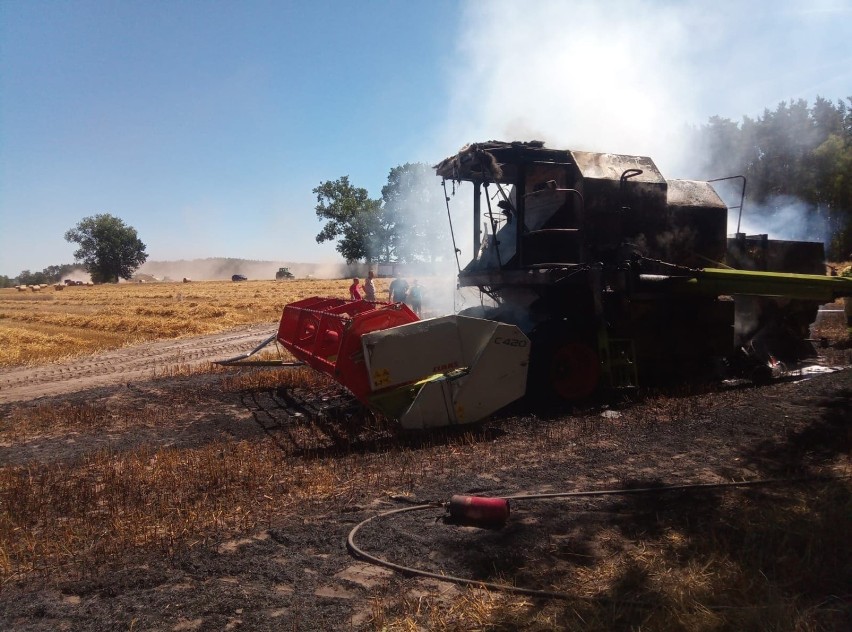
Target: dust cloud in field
{"points": [[222, 269]]}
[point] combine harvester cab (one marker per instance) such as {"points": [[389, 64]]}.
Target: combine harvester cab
{"points": [[424, 373], [620, 276]]}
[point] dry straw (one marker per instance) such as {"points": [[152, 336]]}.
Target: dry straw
{"points": [[44, 328]]}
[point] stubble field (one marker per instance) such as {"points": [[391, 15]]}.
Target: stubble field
{"points": [[48, 325], [143, 488]]}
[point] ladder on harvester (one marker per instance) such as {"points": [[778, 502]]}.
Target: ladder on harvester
{"points": [[618, 361]]}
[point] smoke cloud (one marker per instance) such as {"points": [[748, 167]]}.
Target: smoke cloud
{"points": [[576, 75], [220, 268], [780, 217], [633, 78], [581, 75], [783, 217]]}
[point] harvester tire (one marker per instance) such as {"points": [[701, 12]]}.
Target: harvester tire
{"points": [[564, 366], [574, 371]]}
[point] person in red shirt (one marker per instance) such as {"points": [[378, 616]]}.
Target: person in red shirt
{"points": [[355, 290]]}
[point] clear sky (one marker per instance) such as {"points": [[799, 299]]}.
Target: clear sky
{"points": [[205, 125]]}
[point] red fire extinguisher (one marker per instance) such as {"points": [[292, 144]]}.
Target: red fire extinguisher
{"points": [[477, 511]]}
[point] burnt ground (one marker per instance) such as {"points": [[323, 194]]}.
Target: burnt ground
{"points": [[294, 571]]}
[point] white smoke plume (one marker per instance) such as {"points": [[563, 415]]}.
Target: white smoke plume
{"points": [[582, 75], [425, 240], [78, 273], [632, 77], [783, 217], [780, 217], [576, 75]]}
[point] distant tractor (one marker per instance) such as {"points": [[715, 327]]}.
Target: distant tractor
{"points": [[283, 273]]}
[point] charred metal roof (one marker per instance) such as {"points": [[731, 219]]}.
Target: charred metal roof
{"points": [[496, 160], [684, 193], [611, 166]]}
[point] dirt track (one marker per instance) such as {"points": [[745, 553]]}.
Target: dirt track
{"points": [[138, 362]]}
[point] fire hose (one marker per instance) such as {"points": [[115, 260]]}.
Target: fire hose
{"points": [[358, 552]]}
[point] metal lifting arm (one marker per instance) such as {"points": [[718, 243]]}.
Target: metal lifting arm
{"points": [[718, 281]]}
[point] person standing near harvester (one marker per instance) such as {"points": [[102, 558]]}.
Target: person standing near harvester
{"points": [[415, 297], [369, 287], [398, 290]]}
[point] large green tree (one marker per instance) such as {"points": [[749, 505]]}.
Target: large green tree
{"points": [[413, 204], [108, 248], [407, 224], [352, 218]]}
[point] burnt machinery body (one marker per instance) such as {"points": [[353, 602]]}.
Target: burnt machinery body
{"points": [[601, 272], [615, 272]]}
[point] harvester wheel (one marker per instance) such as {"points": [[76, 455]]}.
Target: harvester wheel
{"points": [[574, 370]]}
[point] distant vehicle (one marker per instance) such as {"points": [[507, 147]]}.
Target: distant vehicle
{"points": [[283, 273], [238, 277]]}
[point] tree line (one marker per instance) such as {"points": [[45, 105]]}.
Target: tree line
{"points": [[51, 274], [407, 224], [108, 249], [796, 151]]}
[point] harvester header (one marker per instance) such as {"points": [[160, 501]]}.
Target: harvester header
{"points": [[425, 373]]}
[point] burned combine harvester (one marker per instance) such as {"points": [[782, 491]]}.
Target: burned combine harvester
{"points": [[601, 275], [618, 275]]}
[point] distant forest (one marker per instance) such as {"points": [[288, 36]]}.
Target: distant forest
{"points": [[795, 153]]}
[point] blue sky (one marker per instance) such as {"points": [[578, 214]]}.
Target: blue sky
{"points": [[205, 125]]}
